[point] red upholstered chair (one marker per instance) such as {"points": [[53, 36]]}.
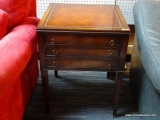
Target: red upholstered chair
{"points": [[18, 56]]}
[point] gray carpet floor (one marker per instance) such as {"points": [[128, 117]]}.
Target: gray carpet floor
{"points": [[76, 95]]}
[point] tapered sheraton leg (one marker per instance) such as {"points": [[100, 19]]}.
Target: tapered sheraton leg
{"points": [[44, 74], [117, 92], [56, 73], [111, 75]]}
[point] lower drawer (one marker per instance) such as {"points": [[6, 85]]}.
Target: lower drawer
{"points": [[81, 64]]}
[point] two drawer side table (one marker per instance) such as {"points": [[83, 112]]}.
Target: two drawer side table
{"points": [[83, 37]]}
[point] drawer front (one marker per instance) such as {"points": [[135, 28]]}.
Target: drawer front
{"points": [[85, 52], [82, 40], [82, 64]]}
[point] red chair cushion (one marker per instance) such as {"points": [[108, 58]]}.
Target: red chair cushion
{"points": [[17, 11], [3, 23]]}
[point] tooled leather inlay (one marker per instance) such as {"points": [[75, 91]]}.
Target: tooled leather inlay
{"points": [[83, 17]]}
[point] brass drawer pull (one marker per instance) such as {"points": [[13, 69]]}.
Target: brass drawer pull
{"points": [[52, 41], [112, 42], [109, 66], [55, 52], [110, 52], [55, 63]]}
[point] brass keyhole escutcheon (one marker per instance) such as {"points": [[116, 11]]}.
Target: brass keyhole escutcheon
{"points": [[55, 63], [109, 66], [112, 42], [110, 52], [52, 40], [55, 52]]}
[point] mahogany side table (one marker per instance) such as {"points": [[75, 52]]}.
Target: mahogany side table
{"points": [[83, 37]]}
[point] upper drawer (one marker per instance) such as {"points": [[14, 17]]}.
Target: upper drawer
{"points": [[82, 40]]}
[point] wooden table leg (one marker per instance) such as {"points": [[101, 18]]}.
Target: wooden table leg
{"points": [[44, 74], [111, 75], [117, 92], [56, 73]]}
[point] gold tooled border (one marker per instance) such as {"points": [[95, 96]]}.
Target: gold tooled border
{"points": [[56, 27]]}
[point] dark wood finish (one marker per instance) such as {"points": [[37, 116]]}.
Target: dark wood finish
{"points": [[44, 74], [117, 91], [83, 37]]}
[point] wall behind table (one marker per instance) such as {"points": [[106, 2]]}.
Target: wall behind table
{"points": [[125, 5]]}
